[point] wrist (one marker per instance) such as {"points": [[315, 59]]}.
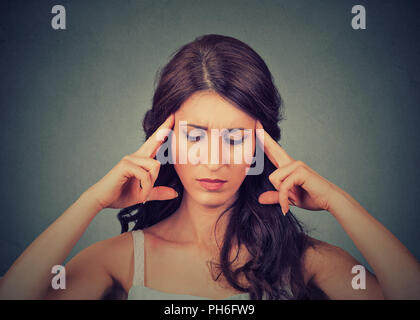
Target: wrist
{"points": [[338, 200], [89, 201]]}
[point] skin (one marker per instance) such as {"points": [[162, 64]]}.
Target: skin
{"points": [[185, 240]]}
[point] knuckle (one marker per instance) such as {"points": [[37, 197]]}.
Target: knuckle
{"points": [[272, 176], [283, 188], [143, 181], [149, 176], [300, 163], [301, 170], [157, 163], [144, 174], [123, 163], [274, 182], [135, 156], [141, 176]]}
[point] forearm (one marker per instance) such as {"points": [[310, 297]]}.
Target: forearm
{"points": [[30, 275], [397, 270]]}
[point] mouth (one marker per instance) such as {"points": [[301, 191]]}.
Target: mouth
{"points": [[211, 184]]}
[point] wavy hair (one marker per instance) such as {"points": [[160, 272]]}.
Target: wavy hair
{"points": [[276, 243]]}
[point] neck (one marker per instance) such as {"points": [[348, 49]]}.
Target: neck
{"points": [[195, 222]]}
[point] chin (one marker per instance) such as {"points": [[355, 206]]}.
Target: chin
{"points": [[211, 199]]}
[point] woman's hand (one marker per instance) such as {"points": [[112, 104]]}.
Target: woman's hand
{"points": [[396, 269], [131, 180], [295, 182]]}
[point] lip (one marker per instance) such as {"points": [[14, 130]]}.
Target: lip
{"points": [[211, 184]]}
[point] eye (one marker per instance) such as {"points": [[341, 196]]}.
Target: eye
{"points": [[235, 141], [193, 137], [235, 137]]}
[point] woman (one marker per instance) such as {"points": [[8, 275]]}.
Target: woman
{"points": [[230, 238]]}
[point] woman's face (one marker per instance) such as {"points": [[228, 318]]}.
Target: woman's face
{"points": [[195, 144]]}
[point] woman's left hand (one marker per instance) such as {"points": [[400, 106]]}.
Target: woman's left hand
{"points": [[295, 182]]}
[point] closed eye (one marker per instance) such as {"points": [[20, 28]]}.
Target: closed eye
{"points": [[193, 138], [235, 141], [238, 137]]}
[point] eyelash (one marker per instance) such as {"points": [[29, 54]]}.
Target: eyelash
{"points": [[231, 142]]}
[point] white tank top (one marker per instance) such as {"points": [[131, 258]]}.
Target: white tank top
{"points": [[139, 292]]}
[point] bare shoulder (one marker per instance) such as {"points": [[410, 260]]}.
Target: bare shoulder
{"points": [[118, 255], [320, 254], [103, 267], [330, 268], [118, 258]]}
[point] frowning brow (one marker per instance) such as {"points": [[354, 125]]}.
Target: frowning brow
{"points": [[205, 128]]}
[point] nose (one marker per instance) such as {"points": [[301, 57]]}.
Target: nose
{"points": [[215, 153]]}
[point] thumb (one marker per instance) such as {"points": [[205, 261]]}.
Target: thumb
{"points": [[162, 193], [269, 197]]}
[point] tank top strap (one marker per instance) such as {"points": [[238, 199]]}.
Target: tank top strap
{"points": [[138, 246]]}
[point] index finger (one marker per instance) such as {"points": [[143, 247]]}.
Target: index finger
{"points": [[277, 155], [149, 148]]}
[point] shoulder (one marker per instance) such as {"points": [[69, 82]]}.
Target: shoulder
{"points": [[330, 268], [320, 256], [117, 257], [96, 270]]}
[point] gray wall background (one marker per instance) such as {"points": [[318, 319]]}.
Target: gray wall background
{"points": [[72, 101]]}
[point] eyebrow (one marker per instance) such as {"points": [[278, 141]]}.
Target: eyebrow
{"points": [[205, 128]]}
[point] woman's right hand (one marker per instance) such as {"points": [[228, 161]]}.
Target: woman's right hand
{"points": [[131, 180]]}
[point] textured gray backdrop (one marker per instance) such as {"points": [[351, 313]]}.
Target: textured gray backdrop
{"points": [[72, 101]]}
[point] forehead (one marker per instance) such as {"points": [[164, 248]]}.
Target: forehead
{"points": [[208, 109]]}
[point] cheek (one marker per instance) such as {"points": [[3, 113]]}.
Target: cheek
{"points": [[237, 174]]}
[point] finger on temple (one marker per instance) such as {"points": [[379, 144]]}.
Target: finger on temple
{"points": [[150, 147], [277, 155]]}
